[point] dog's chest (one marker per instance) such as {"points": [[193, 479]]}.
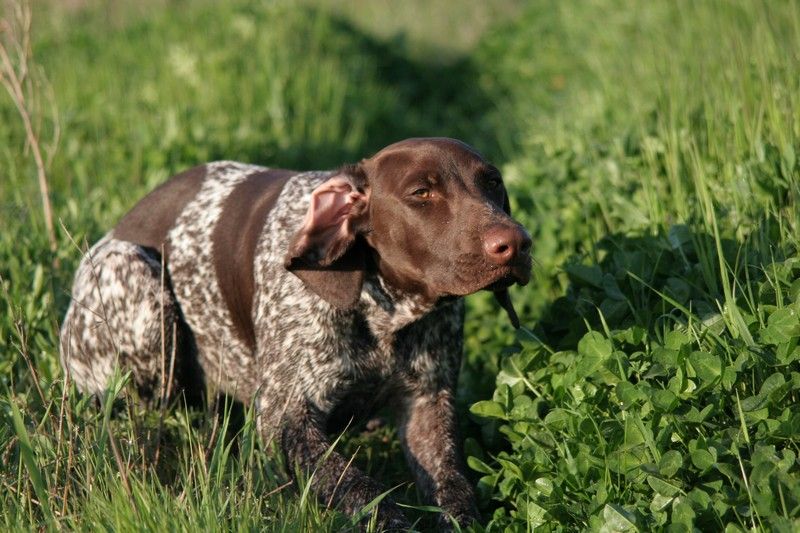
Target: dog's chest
{"points": [[329, 354], [374, 352]]}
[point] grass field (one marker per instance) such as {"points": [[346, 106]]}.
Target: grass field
{"points": [[651, 148]]}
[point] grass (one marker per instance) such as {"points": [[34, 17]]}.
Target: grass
{"points": [[651, 149]]}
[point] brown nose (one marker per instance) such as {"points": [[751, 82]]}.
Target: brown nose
{"points": [[505, 244]]}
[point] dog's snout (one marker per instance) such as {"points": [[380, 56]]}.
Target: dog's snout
{"points": [[505, 244]]}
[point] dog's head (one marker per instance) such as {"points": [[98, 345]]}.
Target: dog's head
{"points": [[432, 215]]}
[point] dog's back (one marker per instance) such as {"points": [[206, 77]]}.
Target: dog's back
{"points": [[189, 244]]}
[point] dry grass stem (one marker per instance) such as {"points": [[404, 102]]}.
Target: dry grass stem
{"points": [[14, 75]]}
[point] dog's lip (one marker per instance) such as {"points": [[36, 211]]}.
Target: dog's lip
{"points": [[514, 276], [506, 276], [502, 283], [493, 277]]}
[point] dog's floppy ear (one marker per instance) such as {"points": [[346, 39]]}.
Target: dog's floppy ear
{"points": [[502, 296], [326, 253]]}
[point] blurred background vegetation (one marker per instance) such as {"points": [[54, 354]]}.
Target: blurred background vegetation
{"points": [[650, 148]]}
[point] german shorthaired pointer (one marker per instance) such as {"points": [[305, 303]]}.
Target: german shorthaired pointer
{"points": [[320, 296]]}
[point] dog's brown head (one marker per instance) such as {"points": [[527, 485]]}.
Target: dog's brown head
{"points": [[433, 215]]}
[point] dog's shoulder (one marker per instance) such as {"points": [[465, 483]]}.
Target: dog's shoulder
{"points": [[234, 239], [208, 221]]}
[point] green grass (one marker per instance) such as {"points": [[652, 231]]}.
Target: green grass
{"points": [[649, 147]]}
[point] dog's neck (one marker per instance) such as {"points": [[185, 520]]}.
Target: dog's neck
{"points": [[390, 309]]}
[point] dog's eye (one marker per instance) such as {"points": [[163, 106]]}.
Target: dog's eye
{"points": [[494, 183], [422, 193]]}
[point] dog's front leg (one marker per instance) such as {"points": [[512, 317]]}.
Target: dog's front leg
{"points": [[428, 433], [336, 481]]}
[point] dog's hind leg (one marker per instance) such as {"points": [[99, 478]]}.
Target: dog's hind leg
{"points": [[123, 312]]}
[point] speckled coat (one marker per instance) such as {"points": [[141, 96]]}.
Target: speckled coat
{"points": [[199, 286]]}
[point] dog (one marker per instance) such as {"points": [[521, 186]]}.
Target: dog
{"points": [[320, 296]]}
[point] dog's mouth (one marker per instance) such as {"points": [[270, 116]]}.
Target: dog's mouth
{"points": [[502, 283], [494, 278], [506, 276]]}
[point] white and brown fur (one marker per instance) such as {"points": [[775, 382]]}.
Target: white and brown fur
{"points": [[199, 271]]}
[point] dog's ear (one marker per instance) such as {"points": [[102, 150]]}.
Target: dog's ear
{"points": [[502, 296], [326, 252]]}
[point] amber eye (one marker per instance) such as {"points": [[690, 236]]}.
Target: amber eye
{"points": [[422, 193]]}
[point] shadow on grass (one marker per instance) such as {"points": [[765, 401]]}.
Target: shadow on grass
{"points": [[649, 281], [422, 98]]}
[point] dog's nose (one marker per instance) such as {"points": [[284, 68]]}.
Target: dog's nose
{"points": [[505, 244]]}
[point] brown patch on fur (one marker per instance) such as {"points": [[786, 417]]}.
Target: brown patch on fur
{"points": [[148, 223], [234, 243], [339, 283]]}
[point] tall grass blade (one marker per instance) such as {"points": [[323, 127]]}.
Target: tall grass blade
{"points": [[29, 458]]}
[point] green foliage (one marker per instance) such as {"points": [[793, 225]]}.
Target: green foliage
{"points": [[657, 390], [680, 423], [649, 147]]}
